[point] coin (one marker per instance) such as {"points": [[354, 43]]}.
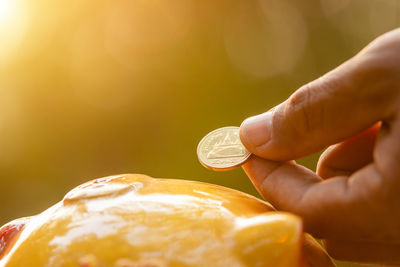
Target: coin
{"points": [[222, 150]]}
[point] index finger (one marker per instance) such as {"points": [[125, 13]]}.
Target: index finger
{"points": [[330, 208]]}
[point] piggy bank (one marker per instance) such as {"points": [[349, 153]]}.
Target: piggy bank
{"points": [[136, 221]]}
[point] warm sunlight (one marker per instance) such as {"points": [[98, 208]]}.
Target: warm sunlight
{"points": [[7, 10], [13, 22]]}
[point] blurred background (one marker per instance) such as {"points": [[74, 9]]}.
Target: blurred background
{"points": [[94, 88]]}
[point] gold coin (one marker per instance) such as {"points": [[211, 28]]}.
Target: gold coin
{"points": [[222, 150]]}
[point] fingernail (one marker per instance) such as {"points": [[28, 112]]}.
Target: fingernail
{"points": [[256, 130]]}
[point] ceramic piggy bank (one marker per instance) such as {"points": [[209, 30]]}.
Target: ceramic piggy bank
{"points": [[137, 221]]}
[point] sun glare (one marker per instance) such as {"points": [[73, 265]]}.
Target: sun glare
{"points": [[7, 10], [13, 23]]}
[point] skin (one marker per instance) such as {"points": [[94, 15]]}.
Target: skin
{"points": [[352, 201]]}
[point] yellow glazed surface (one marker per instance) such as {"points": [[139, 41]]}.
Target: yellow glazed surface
{"points": [[134, 220]]}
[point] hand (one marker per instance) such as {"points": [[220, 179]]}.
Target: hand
{"points": [[353, 200], [313, 255]]}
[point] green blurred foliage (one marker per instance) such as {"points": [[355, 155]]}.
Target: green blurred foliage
{"points": [[94, 88]]}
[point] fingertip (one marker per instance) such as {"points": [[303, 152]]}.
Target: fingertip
{"points": [[256, 131]]}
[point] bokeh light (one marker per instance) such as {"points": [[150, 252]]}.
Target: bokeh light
{"points": [[264, 38], [13, 24], [95, 88], [362, 20], [7, 10]]}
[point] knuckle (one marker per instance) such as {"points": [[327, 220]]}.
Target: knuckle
{"points": [[315, 105], [306, 114]]}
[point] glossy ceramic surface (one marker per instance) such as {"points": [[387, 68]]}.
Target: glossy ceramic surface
{"points": [[134, 220]]}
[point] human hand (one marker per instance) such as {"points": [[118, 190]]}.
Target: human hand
{"points": [[353, 200]]}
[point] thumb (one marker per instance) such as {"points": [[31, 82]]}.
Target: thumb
{"points": [[340, 104]]}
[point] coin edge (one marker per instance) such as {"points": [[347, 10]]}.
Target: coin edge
{"points": [[230, 167]]}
